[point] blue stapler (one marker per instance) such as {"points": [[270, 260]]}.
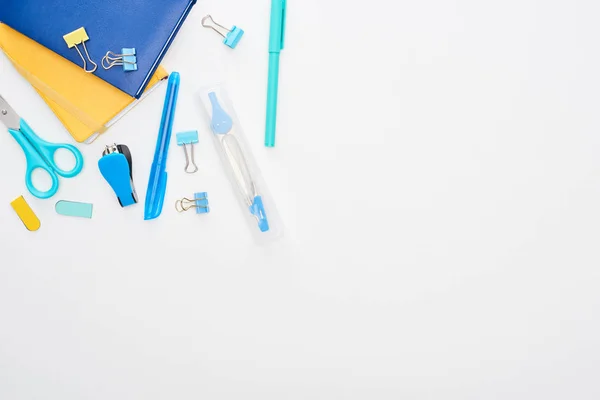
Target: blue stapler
{"points": [[117, 168]]}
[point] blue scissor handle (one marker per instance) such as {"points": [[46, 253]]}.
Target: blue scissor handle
{"points": [[40, 154], [47, 151]]}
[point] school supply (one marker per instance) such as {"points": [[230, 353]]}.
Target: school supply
{"points": [[246, 179], [74, 209], [26, 214], [38, 153], [80, 36], [157, 184], [276, 44], [199, 202], [127, 59], [221, 124], [116, 166], [86, 105], [231, 37], [187, 140], [151, 25]]}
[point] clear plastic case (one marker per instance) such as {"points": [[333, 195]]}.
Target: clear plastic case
{"points": [[246, 178]]}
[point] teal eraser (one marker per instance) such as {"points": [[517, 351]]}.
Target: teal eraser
{"points": [[74, 209]]}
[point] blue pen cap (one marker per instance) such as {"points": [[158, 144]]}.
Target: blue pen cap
{"points": [[278, 23]]}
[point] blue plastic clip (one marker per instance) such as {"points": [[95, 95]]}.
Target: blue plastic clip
{"points": [[116, 167], [200, 203], [258, 210], [184, 138], [231, 36], [129, 59], [234, 37]]}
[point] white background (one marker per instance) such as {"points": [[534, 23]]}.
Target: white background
{"points": [[438, 174]]}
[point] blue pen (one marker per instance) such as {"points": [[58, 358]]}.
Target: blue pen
{"points": [[276, 42], [157, 184]]}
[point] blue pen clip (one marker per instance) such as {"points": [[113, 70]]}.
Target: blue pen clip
{"points": [[116, 167], [278, 25], [231, 36], [283, 22]]}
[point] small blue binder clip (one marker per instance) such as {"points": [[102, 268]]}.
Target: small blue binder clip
{"points": [[186, 139], [127, 59], [232, 36], [116, 167], [200, 203]]}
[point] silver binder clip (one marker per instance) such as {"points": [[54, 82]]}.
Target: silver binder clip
{"points": [[188, 139], [200, 203], [231, 36], [80, 36], [127, 59]]}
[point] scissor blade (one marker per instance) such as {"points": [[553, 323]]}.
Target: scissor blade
{"points": [[8, 116]]}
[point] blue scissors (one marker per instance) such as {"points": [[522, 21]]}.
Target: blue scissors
{"points": [[38, 152]]}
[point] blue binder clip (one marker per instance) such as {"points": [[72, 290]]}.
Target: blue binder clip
{"points": [[117, 168], [127, 59], [232, 36], [200, 203], [186, 139]]}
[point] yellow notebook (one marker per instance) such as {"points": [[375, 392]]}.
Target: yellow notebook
{"points": [[84, 103]]}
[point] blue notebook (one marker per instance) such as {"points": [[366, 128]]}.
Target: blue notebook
{"points": [[149, 26]]}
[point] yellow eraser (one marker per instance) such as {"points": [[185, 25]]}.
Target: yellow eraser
{"points": [[78, 36], [26, 214]]}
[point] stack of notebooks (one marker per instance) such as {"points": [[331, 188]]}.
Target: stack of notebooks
{"points": [[31, 36]]}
